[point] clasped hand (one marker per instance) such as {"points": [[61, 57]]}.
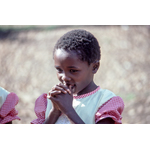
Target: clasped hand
{"points": [[61, 97]]}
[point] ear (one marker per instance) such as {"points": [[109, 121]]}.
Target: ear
{"points": [[96, 66]]}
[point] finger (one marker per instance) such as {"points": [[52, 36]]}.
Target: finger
{"points": [[65, 87], [54, 103], [59, 88], [54, 93], [49, 93], [54, 100]]}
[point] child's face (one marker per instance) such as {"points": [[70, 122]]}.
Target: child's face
{"points": [[72, 71]]}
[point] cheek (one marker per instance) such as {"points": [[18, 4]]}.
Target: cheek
{"points": [[80, 80], [84, 79], [59, 76]]}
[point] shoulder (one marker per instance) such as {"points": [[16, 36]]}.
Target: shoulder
{"points": [[3, 96], [112, 99], [115, 102], [110, 96], [103, 95], [106, 93], [3, 93], [2, 90]]}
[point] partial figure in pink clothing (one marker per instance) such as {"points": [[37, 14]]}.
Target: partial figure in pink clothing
{"points": [[77, 99], [8, 101]]}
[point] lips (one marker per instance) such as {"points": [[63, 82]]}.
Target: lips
{"points": [[72, 86]]}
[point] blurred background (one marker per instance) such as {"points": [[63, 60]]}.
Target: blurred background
{"points": [[27, 69]]}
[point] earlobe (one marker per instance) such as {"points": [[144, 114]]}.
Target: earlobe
{"points": [[96, 66]]}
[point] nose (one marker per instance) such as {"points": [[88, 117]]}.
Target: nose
{"points": [[65, 78]]}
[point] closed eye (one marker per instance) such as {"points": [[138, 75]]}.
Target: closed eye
{"points": [[73, 70], [59, 70]]}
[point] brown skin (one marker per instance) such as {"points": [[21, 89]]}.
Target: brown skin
{"points": [[76, 78], [106, 121], [9, 122]]}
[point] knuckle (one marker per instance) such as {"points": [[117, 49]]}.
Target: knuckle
{"points": [[54, 87], [60, 84]]}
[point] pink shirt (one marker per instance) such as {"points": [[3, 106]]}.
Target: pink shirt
{"points": [[113, 108], [8, 111]]}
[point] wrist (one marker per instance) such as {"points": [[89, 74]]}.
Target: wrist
{"points": [[53, 116], [69, 111], [73, 116], [55, 111]]}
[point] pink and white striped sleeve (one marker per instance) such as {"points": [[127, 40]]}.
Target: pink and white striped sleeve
{"points": [[8, 112], [40, 109], [113, 108]]}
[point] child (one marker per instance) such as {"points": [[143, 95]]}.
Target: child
{"points": [[7, 106], [77, 99]]}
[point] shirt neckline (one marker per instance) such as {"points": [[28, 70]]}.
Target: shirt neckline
{"points": [[87, 94]]}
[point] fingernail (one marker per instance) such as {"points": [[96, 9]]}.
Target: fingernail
{"points": [[69, 91]]}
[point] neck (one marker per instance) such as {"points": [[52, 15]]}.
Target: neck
{"points": [[89, 88]]}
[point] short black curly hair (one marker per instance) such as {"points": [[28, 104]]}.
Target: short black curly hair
{"points": [[82, 42]]}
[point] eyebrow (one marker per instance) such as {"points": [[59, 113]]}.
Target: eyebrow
{"points": [[72, 67], [67, 67]]}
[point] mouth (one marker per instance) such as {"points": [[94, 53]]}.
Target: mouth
{"points": [[71, 86]]}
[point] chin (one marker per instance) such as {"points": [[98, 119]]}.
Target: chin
{"points": [[75, 92]]}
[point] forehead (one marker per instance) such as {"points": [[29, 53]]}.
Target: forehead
{"points": [[62, 57]]}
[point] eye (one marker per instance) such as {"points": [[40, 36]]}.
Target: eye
{"points": [[73, 70], [59, 70]]}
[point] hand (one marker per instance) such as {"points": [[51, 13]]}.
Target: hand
{"points": [[57, 89], [62, 96], [61, 88]]}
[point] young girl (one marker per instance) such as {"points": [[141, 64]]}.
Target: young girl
{"points": [[8, 101], [77, 99]]}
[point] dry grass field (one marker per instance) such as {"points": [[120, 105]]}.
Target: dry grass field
{"points": [[26, 66]]}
